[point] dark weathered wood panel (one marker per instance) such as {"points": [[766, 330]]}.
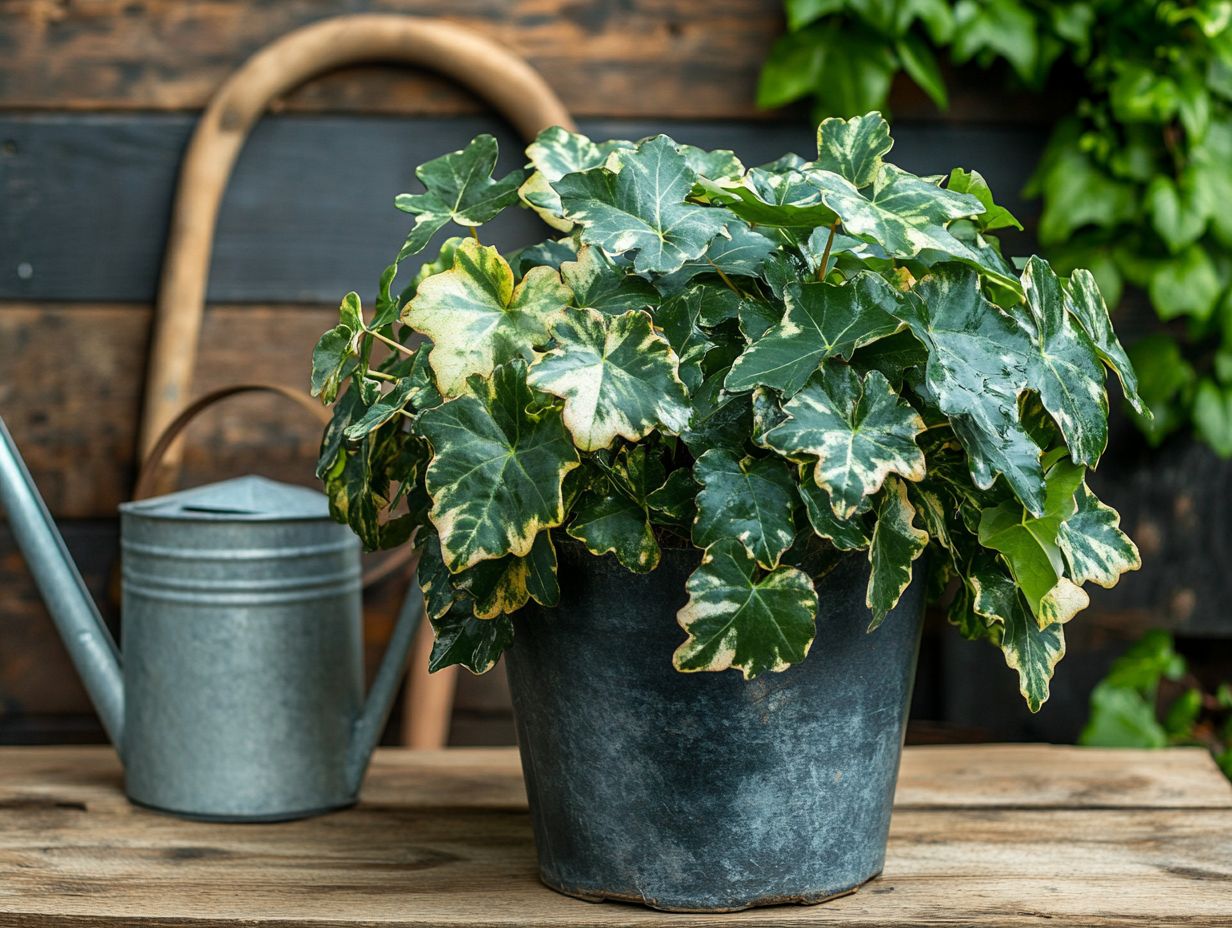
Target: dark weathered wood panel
{"points": [[605, 57], [85, 200], [633, 58]]}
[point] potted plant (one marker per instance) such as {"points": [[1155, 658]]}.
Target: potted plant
{"points": [[703, 443]]}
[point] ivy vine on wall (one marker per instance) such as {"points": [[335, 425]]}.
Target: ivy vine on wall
{"points": [[1135, 182]]}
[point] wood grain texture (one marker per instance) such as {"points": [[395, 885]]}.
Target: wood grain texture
{"points": [[309, 213], [692, 58], [1144, 838]]}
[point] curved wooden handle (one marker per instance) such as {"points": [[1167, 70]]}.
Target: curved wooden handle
{"points": [[494, 73], [151, 467]]}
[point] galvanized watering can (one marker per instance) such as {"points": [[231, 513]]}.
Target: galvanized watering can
{"points": [[239, 696]]}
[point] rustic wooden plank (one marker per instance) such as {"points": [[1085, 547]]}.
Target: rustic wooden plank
{"points": [[443, 839], [692, 58], [309, 215], [1060, 777], [636, 58]]}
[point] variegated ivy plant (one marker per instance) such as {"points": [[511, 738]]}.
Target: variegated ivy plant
{"points": [[779, 366]]}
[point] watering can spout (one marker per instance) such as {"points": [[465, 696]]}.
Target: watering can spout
{"points": [[89, 644], [368, 727]]}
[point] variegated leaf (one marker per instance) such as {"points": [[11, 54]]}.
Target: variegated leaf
{"points": [[1065, 370], [459, 187], [977, 368], [1030, 650], [554, 153], [895, 545], [737, 252], [478, 319], [642, 209], [777, 197], [822, 321], [1029, 546], [612, 523], [736, 619], [617, 376], [853, 148], [748, 499], [680, 318], [903, 214], [476, 644], [859, 431], [496, 471], [1095, 548], [1086, 304], [599, 284], [504, 585], [845, 534]]}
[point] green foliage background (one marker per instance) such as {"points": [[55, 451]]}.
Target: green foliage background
{"points": [[1129, 708], [1136, 182]]}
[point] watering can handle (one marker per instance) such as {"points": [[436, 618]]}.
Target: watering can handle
{"points": [[151, 468]]}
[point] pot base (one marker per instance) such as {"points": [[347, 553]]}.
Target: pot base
{"points": [[596, 897], [240, 819]]}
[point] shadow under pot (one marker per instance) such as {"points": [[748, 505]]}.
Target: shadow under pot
{"points": [[702, 792]]}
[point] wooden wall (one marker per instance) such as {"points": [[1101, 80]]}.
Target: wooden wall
{"points": [[97, 100]]}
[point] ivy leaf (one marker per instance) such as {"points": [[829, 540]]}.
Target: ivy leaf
{"points": [[748, 499], [734, 619], [554, 153], [821, 321], [615, 524], [459, 187], [674, 503], [720, 419], [680, 318], [896, 544], [853, 148], [1094, 546], [738, 252], [784, 198], [385, 408], [994, 217], [330, 359], [496, 471], [1029, 546], [1086, 304], [617, 376], [476, 644], [1065, 371], [435, 581], [860, 432], [504, 585], [1030, 650], [975, 372], [642, 209], [598, 284], [904, 214], [478, 319], [845, 534]]}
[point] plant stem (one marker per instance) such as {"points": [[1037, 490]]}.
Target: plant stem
{"points": [[390, 342], [475, 235], [825, 255], [380, 375], [727, 280]]}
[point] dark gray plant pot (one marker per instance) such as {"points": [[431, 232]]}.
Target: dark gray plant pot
{"points": [[703, 792]]}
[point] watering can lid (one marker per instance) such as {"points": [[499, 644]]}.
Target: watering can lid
{"points": [[248, 499]]}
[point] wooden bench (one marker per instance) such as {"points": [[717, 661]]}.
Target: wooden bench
{"points": [[990, 835]]}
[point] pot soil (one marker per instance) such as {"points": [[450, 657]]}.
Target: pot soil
{"points": [[703, 792]]}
